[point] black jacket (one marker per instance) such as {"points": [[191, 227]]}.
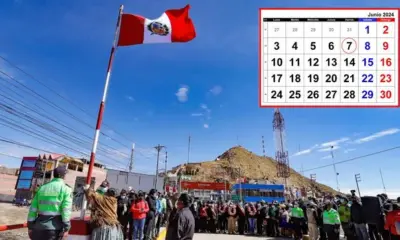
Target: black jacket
{"points": [[123, 204], [356, 213], [182, 226], [152, 202]]}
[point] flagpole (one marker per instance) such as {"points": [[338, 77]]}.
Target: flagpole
{"points": [[101, 109]]}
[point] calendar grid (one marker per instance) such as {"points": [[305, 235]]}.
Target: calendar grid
{"points": [[376, 38], [301, 69]]}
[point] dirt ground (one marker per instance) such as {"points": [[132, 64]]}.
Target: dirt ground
{"points": [[10, 214]]}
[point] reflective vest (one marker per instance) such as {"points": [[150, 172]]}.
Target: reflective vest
{"points": [[51, 207], [331, 217], [344, 213], [297, 212]]}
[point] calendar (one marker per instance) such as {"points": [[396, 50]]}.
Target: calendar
{"points": [[329, 57]]}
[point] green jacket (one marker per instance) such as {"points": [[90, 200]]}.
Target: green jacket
{"points": [[51, 207], [344, 213], [297, 212], [331, 217]]}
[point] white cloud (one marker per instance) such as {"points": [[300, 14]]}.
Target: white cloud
{"points": [[205, 125], [130, 98], [182, 94], [327, 149], [327, 157], [197, 114], [377, 135], [349, 150], [205, 107], [303, 152], [334, 142], [216, 90]]}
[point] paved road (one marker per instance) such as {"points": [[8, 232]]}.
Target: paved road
{"points": [[208, 236]]}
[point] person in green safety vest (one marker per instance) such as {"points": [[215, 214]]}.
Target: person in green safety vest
{"points": [[345, 217], [102, 189], [331, 220], [297, 217], [50, 211]]}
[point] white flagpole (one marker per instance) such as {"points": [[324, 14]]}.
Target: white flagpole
{"points": [[101, 110]]}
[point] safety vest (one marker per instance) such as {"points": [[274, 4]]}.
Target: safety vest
{"points": [[331, 217], [51, 207], [297, 212], [344, 213]]}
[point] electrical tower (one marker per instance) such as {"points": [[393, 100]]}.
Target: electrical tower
{"points": [[281, 155]]}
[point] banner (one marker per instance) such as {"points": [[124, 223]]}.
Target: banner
{"points": [[205, 185]]}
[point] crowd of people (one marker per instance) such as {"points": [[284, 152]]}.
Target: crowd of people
{"points": [[312, 219], [138, 215]]}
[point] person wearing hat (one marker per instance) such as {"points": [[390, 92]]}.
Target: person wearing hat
{"points": [[50, 211], [331, 220], [104, 218], [182, 224], [312, 216]]}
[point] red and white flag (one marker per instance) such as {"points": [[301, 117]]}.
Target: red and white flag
{"points": [[174, 25]]}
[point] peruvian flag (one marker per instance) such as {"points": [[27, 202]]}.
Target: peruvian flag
{"points": [[174, 25]]}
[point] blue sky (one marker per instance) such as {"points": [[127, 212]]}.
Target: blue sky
{"points": [[65, 44]]}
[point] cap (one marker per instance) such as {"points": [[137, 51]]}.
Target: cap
{"points": [[60, 171]]}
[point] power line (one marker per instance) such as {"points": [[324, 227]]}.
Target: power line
{"points": [[9, 155], [355, 158], [54, 130], [62, 97], [53, 105], [20, 144]]}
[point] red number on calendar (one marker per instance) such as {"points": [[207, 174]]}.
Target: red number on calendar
{"points": [[386, 62], [385, 45], [386, 94], [386, 78], [385, 29]]}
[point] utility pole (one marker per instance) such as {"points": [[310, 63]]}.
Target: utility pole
{"points": [[358, 179], [302, 170], [158, 148], [383, 182], [240, 185], [334, 169], [188, 156], [131, 163], [263, 145], [313, 178], [165, 162], [44, 165], [165, 170]]}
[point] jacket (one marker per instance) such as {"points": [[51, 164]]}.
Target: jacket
{"points": [[152, 202], [137, 208], [356, 213], [51, 207], [158, 206], [312, 215], [163, 205], [181, 226], [104, 209], [344, 213]]}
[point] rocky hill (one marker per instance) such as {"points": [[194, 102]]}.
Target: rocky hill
{"points": [[237, 162]]}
